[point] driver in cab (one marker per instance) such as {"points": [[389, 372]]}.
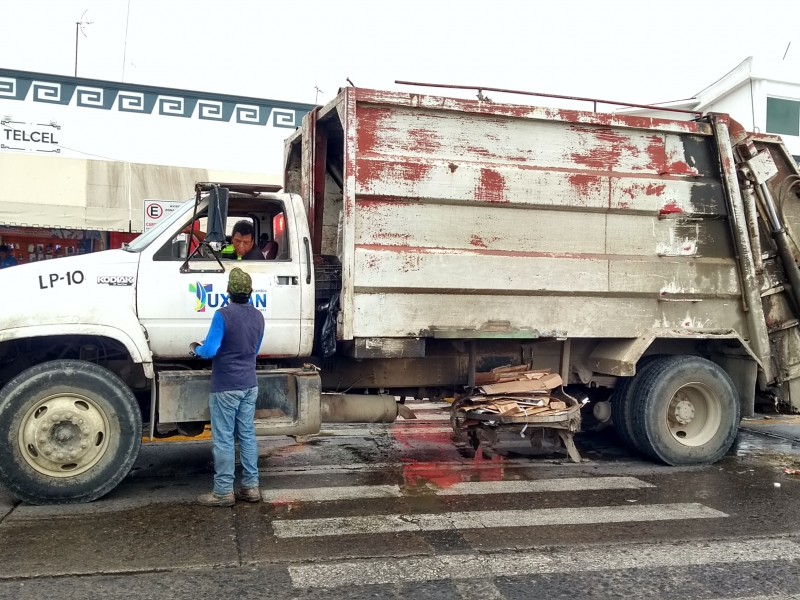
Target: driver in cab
{"points": [[243, 243]]}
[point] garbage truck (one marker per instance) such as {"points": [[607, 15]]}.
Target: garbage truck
{"points": [[650, 263]]}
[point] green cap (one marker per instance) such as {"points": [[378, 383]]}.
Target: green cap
{"points": [[239, 282]]}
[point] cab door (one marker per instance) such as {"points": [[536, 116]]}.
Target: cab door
{"points": [[176, 307]]}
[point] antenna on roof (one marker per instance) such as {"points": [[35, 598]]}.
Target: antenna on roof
{"points": [[316, 97], [787, 50], [79, 27]]}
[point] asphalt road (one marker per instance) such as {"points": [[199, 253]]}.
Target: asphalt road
{"points": [[400, 510]]}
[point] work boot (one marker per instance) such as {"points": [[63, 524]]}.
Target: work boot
{"points": [[213, 499], [248, 494]]}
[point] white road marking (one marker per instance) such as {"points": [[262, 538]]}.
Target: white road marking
{"points": [[570, 484], [355, 492], [376, 524], [326, 494], [462, 567]]}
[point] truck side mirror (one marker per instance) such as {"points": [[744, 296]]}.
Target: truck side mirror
{"points": [[217, 214]]}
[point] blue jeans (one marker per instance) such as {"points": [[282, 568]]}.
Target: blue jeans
{"points": [[232, 415]]}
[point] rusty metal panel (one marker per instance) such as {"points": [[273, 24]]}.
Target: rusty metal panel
{"points": [[386, 225], [481, 272], [465, 216], [530, 316]]}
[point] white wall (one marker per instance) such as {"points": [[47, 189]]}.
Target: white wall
{"points": [[84, 154], [153, 139], [739, 106], [67, 193]]}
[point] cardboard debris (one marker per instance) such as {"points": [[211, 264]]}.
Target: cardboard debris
{"points": [[546, 382], [516, 392], [500, 374]]}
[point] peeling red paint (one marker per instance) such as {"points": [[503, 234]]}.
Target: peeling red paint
{"points": [[681, 168], [606, 154], [657, 152], [375, 171], [479, 151], [371, 122], [391, 99], [670, 209], [477, 241], [655, 189], [418, 250], [424, 141], [586, 185], [491, 187], [403, 237]]}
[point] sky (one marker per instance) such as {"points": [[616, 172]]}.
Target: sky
{"points": [[642, 52]]}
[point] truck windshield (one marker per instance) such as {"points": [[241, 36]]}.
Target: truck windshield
{"points": [[144, 240]]}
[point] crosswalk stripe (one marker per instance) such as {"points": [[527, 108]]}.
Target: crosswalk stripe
{"points": [[567, 484], [323, 494], [505, 564], [354, 492], [375, 524]]}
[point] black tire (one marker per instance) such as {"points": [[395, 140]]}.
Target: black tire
{"points": [[70, 431], [622, 402], [686, 411]]}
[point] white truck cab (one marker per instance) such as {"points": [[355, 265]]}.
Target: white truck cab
{"points": [[176, 298], [92, 347]]}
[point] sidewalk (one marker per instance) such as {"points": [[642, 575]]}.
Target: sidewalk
{"points": [[780, 426]]}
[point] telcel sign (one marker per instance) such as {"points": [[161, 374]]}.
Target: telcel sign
{"points": [[156, 211]]}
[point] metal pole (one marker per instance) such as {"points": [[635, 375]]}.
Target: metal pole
{"points": [[77, 27]]}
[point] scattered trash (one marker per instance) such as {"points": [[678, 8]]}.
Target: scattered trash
{"points": [[516, 391], [518, 399], [777, 484], [792, 471]]}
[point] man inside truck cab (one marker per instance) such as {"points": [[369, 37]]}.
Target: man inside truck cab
{"points": [[243, 243]]}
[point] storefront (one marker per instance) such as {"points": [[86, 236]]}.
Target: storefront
{"points": [[80, 158], [30, 244]]}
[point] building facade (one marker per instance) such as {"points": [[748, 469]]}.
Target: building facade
{"points": [[81, 156], [764, 96]]}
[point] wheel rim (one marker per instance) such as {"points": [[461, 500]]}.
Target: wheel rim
{"points": [[694, 414], [64, 435]]}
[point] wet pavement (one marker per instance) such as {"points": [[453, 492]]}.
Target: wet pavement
{"points": [[402, 509]]}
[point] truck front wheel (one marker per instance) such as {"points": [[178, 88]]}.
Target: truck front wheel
{"points": [[69, 432], [686, 411]]}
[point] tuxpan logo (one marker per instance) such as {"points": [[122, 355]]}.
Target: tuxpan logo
{"points": [[206, 297]]}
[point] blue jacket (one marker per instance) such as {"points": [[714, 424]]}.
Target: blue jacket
{"points": [[232, 344]]}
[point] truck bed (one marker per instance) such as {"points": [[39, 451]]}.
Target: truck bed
{"points": [[469, 219]]}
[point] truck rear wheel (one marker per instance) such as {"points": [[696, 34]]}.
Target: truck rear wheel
{"points": [[71, 430], [686, 411], [622, 402]]}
